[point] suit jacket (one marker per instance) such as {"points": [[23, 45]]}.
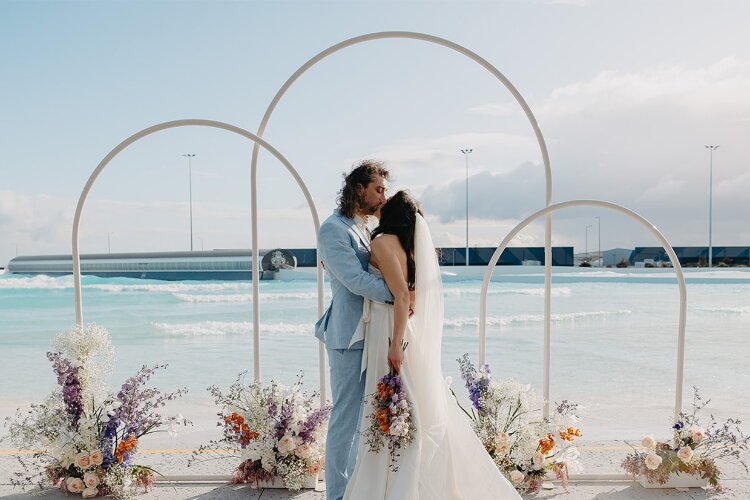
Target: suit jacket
{"points": [[345, 252]]}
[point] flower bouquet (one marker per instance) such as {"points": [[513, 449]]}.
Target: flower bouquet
{"points": [[508, 418], [390, 417], [88, 437], [275, 432], [689, 459]]}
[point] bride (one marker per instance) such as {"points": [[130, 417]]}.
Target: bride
{"points": [[445, 460]]}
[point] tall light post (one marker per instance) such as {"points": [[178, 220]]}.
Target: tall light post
{"points": [[109, 247], [587, 242], [466, 153], [599, 234], [711, 150], [190, 157]]}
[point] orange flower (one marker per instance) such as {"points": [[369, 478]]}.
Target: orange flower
{"points": [[124, 447], [547, 444], [571, 434]]}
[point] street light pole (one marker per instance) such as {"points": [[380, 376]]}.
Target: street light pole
{"points": [[587, 242], [599, 234], [190, 157], [466, 153], [711, 150], [109, 247]]}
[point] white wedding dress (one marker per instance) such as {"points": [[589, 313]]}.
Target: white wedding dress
{"points": [[446, 460]]}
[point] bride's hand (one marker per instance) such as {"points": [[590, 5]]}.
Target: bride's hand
{"points": [[395, 356]]}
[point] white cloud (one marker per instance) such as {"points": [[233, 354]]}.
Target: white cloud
{"points": [[719, 87]]}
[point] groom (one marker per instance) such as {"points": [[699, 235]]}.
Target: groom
{"points": [[344, 249]]}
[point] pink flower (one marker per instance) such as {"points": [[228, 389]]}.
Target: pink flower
{"points": [[685, 454], [697, 434], [653, 461], [91, 480], [82, 461], [96, 457], [517, 477], [74, 485], [286, 444], [90, 493], [649, 442], [315, 468], [538, 460]]}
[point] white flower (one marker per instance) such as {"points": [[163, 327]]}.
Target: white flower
{"points": [[304, 451], [74, 485], [173, 425], [697, 434], [685, 454], [653, 461], [649, 442], [538, 460], [91, 480], [516, 477], [286, 444], [268, 460], [448, 381], [90, 493], [83, 461]]}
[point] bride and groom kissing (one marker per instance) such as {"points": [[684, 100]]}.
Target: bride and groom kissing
{"points": [[387, 292]]}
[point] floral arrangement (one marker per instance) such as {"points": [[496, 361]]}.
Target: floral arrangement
{"points": [[693, 450], [508, 418], [90, 438], [390, 417], [274, 431]]}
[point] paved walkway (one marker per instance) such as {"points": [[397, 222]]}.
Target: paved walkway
{"points": [[597, 457]]}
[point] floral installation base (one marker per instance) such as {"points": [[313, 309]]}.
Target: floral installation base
{"points": [[310, 483], [676, 481]]}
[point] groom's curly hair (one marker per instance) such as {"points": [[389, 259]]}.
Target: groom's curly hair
{"points": [[361, 174]]}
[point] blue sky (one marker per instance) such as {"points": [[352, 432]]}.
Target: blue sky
{"points": [[626, 93]]}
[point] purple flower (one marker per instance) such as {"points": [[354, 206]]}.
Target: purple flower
{"points": [[314, 419], [678, 426], [68, 379]]}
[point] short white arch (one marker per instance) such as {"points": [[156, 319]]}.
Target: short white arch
{"points": [[259, 142], [601, 204], [461, 50]]}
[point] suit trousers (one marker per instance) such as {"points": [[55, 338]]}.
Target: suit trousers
{"points": [[347, 390]]}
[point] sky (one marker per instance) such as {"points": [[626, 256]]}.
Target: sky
{"points": [[627, 95]]}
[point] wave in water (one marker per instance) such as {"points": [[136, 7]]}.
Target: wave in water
{"points": [[185, 297], [556, 292], [726, 310], [40, 281], [521, 319], [231, 328]]}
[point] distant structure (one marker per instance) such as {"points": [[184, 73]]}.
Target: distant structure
{"points": [[692, 256], [169, 266], [238, 264]]}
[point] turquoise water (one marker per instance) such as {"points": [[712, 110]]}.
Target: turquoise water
{"points": [[613, 351]]}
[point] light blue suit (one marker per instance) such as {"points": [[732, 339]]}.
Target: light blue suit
{"points": [[345, 253]]}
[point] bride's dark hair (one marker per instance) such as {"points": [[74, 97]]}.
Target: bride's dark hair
{"points": [[399, 217]]}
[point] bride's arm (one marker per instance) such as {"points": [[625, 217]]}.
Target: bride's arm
{"points": [[391, 260]]}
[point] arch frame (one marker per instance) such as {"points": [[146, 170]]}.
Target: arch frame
{"points": [[383, 35], [259, 142], [633, 215]]}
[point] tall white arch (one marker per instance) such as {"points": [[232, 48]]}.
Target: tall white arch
{"points": [[500, 77], [259, 142], [618, 208]]}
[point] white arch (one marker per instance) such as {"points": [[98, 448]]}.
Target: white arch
{"points": [[618, 208], [259, 142], [474, 57]]}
